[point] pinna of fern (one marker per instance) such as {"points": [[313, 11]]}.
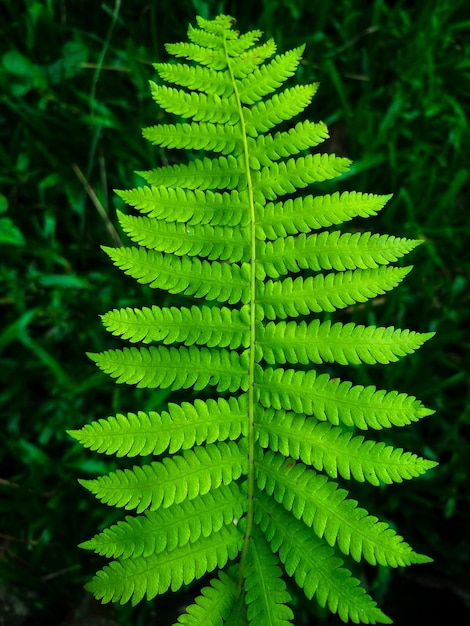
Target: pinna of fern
{"points": [[244, 483]]}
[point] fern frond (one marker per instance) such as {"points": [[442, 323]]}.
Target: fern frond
{"points": [[174, 527], [221, 25], [214, 604], [218, 173], [315, 567], [208, 36], [337, 452], [270, 77], [331, 400], [266, 593], [195, 78], [194, 473], [300, 215], [133, 579], [192, 207], [198, 106], [320, 342], [178, 368], [248, 61], [202, 325], [180, 428], [323, 506], [212, 280], [197, 136], [213, 242], [236, 46], [329, 292], [287, 176], [193, 52], [266, 115], [268, 148], [331, 251], [245, 472]]}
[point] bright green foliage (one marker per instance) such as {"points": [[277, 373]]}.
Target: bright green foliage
{"points": [[246, 478], [266, 593]]}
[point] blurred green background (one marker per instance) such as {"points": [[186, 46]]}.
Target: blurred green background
{"points": [[395, 92]]}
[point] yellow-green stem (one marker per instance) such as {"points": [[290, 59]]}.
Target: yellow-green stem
{"points": [[251, 366]]}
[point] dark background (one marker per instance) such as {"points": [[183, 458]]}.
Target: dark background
{"points": [[395, 87]]}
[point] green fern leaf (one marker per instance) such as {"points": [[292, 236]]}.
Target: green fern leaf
{"points": [[268, 78], [193, 52], [170, 528], [192, 207], [246, 471], [217, 281], [289, 342], [214, 604], [310, 212], [179, 428], [321, 504], [331, 251], [329, 292], [248, 61], [201, 325], [226, 172], [176, 368], [315, 568], [190, 475], [268, 148], [266, 593], [330, 399], [198, 136], [201, 108], [213, 242], [335, 451], [194, 77], [133, 579], [287, 176], [266, 115]]}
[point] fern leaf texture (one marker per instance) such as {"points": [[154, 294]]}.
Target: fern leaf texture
{"points": [[250, 480]]}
